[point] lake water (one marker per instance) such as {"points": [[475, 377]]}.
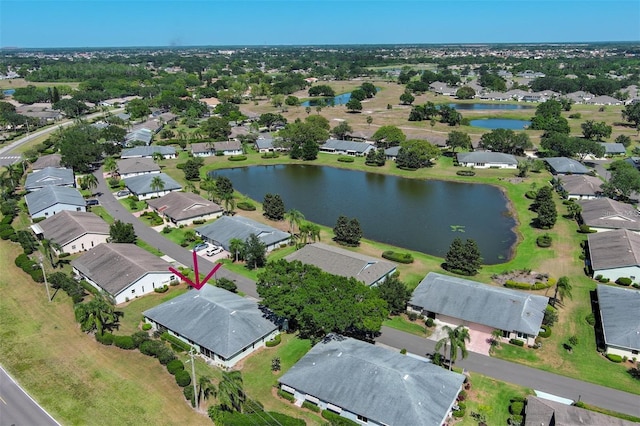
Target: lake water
{"points": [[478, 107], [500, 123], [337, 100], [420, 215]]}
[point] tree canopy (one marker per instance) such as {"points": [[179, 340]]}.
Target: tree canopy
{"points": [[507, 141], [347, 231], [463, 258], [415, 154], [121, 232], [387, 136], [273, 207]]}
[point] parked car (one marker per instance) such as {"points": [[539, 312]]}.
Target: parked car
{"points": [[200, 247], [123, 193], [93, 202], [212, 251]]}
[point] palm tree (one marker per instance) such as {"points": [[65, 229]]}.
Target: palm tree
{"points": [[157, 157], [110, 165], [456, 339], [50, 248], [496, 335], [97, 315], [157, 184], [236, 245], [229, 202], [205, 389], [294, 217], [230, 392], [563, 289], [189, 186], [89, 181]]}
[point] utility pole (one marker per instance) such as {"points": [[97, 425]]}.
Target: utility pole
{"points": [[46, 284], [192, 353]]}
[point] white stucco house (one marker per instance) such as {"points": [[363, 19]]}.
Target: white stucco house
{"points": [[54, 199], [136, 166], [73, 231], [182, 208], [581, 187], [142, 185], [124, 271], [615, 254], [226, 228], [605, 214], [487, 160], [620, 327], [207, 149]]}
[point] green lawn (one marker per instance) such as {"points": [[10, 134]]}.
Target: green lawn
{"points": [[402, 324], [132, 311]]}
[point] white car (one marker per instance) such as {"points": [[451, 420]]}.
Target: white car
{"points": [[212, 251]]}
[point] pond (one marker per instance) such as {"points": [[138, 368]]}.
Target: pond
{"points": [[420, 215], [500, 123], [489, 106], [336, 100]]}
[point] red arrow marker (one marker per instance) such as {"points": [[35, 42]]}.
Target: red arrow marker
{"points": [[198, 284]]}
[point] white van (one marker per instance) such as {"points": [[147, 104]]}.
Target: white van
{"points": [[212, 251]]}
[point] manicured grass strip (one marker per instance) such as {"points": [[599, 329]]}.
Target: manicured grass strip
{"points": [[399, 323]]}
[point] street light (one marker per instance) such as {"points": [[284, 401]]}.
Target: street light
{"points": [[44, 274]]}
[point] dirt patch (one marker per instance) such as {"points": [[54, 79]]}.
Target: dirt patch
{"points": [[521, 276]]}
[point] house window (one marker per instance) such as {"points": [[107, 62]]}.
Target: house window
{"points": [[73, 247], [363, 419], [634, 352], [82, 245], [143, 289], [133, 290]]}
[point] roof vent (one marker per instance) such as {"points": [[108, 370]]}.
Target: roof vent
{"points": [[340, 354], [232, 312], [406, 376]]}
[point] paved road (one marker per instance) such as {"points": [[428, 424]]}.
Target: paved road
{"points": [[171, 249], [505, 371], [17, 408]]}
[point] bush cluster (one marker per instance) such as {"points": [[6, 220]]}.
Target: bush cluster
{"points": [[614, 358], [124, 342], [526, 286], [176, 344], [544, 240], [246, 206], [546, 331], [30, 267], [337, 419], [162, 289], [105, 338], [199, 221], [346, 159], [286, 395], [174, 366], [146, 326], [268, 155], [429, 322], [237, 157], [466, 173], [275, 342], [311, 406], [157, 349], [398, 257], [516, 342], [625, 281]]}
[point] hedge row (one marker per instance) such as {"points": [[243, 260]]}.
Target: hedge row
{"points": [[337, 419], [176, 344], [516, 342], [246, 206], [268, 155], [237, 157], [311, 406], [614, 358], [466, 173], [286, 395], [398, 257], [346, 159], [275, 342], [30, 267], [526, 286]]}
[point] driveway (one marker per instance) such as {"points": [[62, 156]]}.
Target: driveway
{"points": [[169, 248]]}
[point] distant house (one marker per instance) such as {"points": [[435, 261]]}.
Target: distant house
{"points": [[51, 160], [345, 263], [480, 307], [124, 271], [620, 327], [335, 146], [167, 152], [265, 145], [54, 199], [220, 325], [530, 74], [141, 186], [49, 176], [487, 160], [142, 135], [372, 385], [182, 208], [581, 187], [579, 97], [604, 100], [73, 231], [565, 166], [634, 161], [615, 254], [392, 153], [129, 167], [544, 412], [226, 228], [605, 214], [611, 149], [206, 149], [443, 88]]}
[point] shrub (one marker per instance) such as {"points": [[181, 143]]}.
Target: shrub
{"points": [[429, 322], [576, 115], [625, 281], [403, 351], [183, 379], [246, 206], [584, 229], [466, 173], [337, 419], [275, 342], [146, 326], [516, 407], [139, 337], [531, 195], [124, 342], [604, 280], [546, 331], [188, 395], [614, 358], [286, 395], [458, 414], [573, 340], [590, 319], [412, 316], [105, 338], [174, 366], [544, 240], [311, 406], [176, 344], [162, 289], [516, 342], [518, 399], [199, 221], [151, 347], [268, 155], [398, 257], [527, 286], [598, 277], [237, 157], [165, 356], [345, 159], [516, 420]]}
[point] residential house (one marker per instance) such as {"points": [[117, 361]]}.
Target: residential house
{"points": [[264, 145], [50, 160], [372, 385], [581, 187], [182, 208], [345, 263], [634, 161], [443, 88], [227, 228], [358, 149], [487, 160], [134, 137], [529, 74], [604, 100], [611, 149], [579, 97], [480, 307], [605, 214], [73, 231], [54, 199], [220, 325], [141, 185], [545, 412], [615, 254], [49, 176], [620, 327], [167, 152], [565, 166], [392, 153], [359, 136], [495, 96], [136, 166], [206, 149], [123, 271]]}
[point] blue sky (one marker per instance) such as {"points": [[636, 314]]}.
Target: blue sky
{"points": [[116, 23]]}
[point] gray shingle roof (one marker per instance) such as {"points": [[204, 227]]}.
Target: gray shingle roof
{"points": [[343, 262], [264, 143], [202, 147], [614, 249], [392, 152], [377, 383], [226, 228], [142, 135], [49, 176], [142, 184], [613, 148], [608, 213], [564, 165], [486, 157], [137, 165], [184, 205], [340, 145], [584, 185], [115, 266], [621, 327], [496, 307], [543, 412], [66, 226], [214, 318], [51, 160], [52, 195], [147, 151]]}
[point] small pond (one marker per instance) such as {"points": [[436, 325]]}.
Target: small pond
{"points": [[500, 123], [337, 100], [421, 215], [478, 107]]}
